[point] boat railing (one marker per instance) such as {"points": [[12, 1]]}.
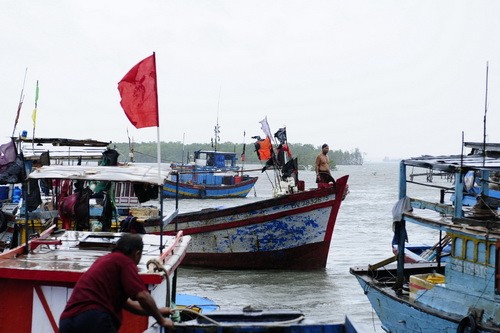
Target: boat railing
{"points": [[169, 250], [446, 188], [21, 249], [446, 209]]}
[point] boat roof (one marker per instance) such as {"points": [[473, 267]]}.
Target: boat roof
{"points": [[62, 148], [489, 147], [476, 160], [218, 152], [65, 142], [141, 173]]}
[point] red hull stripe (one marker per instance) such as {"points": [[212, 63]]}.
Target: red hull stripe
{"points": [[46, 307], [254, 220], [58, 277]]}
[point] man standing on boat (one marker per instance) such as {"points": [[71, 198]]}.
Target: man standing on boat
{"points": [[323, 175], [111, 284]]}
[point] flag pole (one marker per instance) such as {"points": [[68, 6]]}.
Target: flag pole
{"points": [[158, 156], [21, 100], [33, 115], [158, 148]]}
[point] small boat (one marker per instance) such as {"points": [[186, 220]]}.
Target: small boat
{"points": [[260, 320], [213, 175], [459, 291]]}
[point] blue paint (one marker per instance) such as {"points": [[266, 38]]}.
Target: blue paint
{"points": [[468, 288]]}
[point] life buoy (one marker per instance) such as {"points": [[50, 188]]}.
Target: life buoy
{"points": [[468, 323]]}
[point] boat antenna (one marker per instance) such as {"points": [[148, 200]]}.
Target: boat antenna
{"points": [[462, 152], [183, 145], [21, 100], [243, 154], [130, 148], [217, 127], [484, 121]]}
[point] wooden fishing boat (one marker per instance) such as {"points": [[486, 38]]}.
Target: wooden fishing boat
{"points": [[462, 293], [289, 231], [37, 278], [213, 175]]}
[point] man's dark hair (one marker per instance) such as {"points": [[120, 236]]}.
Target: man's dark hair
{"points": [[324, 146], [129, 243]]}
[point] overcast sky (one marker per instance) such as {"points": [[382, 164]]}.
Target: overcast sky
{"points": [[392, 78]]}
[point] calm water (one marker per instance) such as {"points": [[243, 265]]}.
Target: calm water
{"points": [[362, 236]]}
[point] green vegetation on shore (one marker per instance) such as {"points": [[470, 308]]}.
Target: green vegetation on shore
{"points": [[146, 152]]}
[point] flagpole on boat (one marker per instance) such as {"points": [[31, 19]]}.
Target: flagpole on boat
{"points": [[21, 100], [142, 110], [33, 116], [158, 157]]}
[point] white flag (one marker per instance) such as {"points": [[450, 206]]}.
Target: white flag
{"points": [[265, 128]]}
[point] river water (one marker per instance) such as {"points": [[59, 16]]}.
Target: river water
{"points": [[362, 236]]}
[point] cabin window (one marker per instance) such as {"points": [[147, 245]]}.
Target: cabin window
{"points": [[457, 247], [481, 252], [469, 250]]}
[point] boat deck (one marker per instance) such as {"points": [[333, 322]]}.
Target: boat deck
{"points": [[64, 257]]}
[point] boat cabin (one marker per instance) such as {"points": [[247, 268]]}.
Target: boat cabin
{"points": [[215, 159], [209, 168]]}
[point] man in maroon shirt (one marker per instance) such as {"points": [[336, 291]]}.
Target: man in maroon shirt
{"points": [[111, 284]]}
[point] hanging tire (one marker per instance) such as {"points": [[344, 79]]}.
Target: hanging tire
{"points": [[467, 324], [202, 193]]}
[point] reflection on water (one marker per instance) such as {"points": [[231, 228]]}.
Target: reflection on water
{"points": [[362, 236]]}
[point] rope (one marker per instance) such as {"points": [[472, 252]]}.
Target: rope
{"points": [[198, 314], [158, 267]]}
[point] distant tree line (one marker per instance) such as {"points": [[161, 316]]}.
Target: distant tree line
{"points": [[146, 152]]}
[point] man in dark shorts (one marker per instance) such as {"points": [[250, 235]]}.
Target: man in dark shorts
{"points": [[111, 284], [323, 175]]}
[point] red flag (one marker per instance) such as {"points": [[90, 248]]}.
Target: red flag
{"points": [[139, 94]]}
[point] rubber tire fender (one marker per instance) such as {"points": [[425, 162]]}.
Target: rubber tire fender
{"points": [[467, 322], [202, 192]]}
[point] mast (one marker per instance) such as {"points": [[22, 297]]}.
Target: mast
{"points": [[217, 127], [484, 120], [130, 148]]}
